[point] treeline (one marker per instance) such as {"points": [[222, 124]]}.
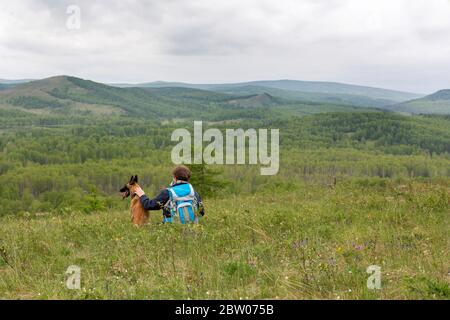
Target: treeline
{"points": [[84, 187], [387, 132], [93, 185], [120, 138]]}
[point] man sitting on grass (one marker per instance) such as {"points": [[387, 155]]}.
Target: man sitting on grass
{"points": [[178, 200]]}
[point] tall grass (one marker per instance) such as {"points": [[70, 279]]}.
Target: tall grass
{"points": [[308, 242]]}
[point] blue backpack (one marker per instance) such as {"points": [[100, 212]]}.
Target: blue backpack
{"points": [[182, 203]]}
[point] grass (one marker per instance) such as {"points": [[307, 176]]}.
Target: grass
{"points": [[310, 242]]}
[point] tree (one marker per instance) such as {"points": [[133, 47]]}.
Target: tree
{"points": [[207, 181]]}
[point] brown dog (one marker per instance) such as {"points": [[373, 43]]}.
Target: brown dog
{"points": [[139, 216]]}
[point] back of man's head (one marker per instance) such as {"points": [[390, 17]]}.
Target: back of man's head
{"points": [[182, 173]]}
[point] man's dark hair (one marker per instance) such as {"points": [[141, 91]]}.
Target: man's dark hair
{"points": [[182, 173]]}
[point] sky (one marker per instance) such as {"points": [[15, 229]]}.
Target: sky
{"points": [[395, 44]]}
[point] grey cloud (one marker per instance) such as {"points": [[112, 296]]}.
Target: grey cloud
{"points": [[399, 44]]}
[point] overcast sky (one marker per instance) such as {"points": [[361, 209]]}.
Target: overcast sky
{"points": [[397, 44]]}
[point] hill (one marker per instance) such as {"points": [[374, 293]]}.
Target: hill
{"points": [[336, 88], [328, 98], [74, 96], [330, 92], [59, 94], [436, 103], [64, 95], [70, 95]]}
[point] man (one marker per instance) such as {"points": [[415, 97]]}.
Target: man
{"points": [[178, 200]]}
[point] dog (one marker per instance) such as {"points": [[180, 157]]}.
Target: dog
{"points": [[139, 216]]}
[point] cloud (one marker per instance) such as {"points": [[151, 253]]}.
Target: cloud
{"points": [[398, 44]]}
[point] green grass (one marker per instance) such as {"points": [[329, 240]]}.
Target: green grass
{"points": [[309, 242]]}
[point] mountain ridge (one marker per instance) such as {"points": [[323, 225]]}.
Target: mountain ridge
{"points": [[287, 84], [68, 95], [71, 95], [308, 91]]}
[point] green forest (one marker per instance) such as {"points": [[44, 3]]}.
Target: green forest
{"points": [[77, 164]]}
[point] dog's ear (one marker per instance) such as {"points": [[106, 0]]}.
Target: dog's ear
{"points": [[135, 178], [131, 179]]}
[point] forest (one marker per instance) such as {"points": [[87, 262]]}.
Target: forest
{"points": [[77, 163]]}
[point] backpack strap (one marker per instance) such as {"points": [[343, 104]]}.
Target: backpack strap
{"points": [[189, 197]]}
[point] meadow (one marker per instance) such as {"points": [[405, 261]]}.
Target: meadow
{"points": [[306, 242]]}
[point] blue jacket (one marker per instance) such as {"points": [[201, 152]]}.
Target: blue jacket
{"points": [[161, 199]]}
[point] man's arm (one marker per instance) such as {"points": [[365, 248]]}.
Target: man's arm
{"points": [[155, 203]]}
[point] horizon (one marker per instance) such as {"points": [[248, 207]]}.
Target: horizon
{"points": [[115, 83]]}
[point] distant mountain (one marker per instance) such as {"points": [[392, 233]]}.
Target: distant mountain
{"points": [[74, 96], [164, 84], [436, 103], [314, 91], [295, 96], [5, 84], [335, 88], [439, 95], [70, 95], [18, 81]]}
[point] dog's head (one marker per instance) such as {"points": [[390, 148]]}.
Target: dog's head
{"points": [[127, 189]]}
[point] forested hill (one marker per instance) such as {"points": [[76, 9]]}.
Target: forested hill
{"points": [[387, 132], [438, 103], [74, 96], [312, 91], [63, 95], [69, 95]]}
